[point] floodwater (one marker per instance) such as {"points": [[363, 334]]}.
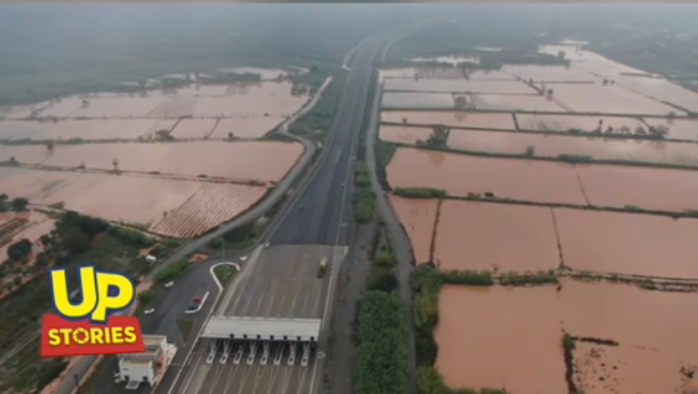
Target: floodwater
{"points": [[463, 174], [596, 98], [648, 188], [417, 100], [404, 134], [253, 126], [136, 200], [38, 224], [418, 217], [628, 243], [258, 160], [683, 129], [210, 206], [503, 102], [458, 85], [452, 60], [489, 337], [486, 236], [650, 151], [406, 72], [662, 90], [452, 118], [273, 98], [265, 73], [194, 128], [582, 122], [549, 73], [84, 129]]}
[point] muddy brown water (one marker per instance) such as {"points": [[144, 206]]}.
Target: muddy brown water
{"points": [[194, 128], [486, 236], [258, 160], [417, 100], [84, 129], [462, 174], [458, 85], [597, 98], [686, 129], [452, 118], [567, 122], [253, 126], [549, 73], [511, 337], [418, 217], [504, 102], [650, 151], [404, 134]]}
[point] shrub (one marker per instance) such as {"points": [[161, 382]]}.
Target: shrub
{"points": [[385, 259], [131, 237], [419, 192], [516, 279], [147, 296], [19, 250], [568, 342], [172, 271]]}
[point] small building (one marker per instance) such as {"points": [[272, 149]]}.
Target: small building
{"points": [[147, 367]]}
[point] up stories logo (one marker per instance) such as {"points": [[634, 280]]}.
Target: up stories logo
{"points": [[85, 326]]}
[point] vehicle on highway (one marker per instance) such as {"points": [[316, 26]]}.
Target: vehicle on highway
{"points": [[243, 258], [193, 306], [149, 311], [267, 245], [169, 284], [196, 300], [323, 268]]}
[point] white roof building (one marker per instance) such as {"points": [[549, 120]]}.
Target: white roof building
{"points": [[147, 367]]}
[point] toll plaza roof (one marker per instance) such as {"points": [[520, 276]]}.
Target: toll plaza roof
{"points": [[262, 328]]}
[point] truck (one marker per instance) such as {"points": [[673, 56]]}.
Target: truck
{"points": [[322, 268]]}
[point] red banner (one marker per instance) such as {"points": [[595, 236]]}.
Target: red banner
{"points": [[61, 337]]}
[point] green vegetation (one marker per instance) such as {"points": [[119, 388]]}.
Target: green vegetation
{"points": [[76, 239], [241, 238], [18, 204], [568, 342], [437, 139], [58, 205], [381, 360], [146, 297], [364, 199], [172, 271], [430, 381], [382, 274], [185, 326], [384, 153], [225, 273], [537, 278], [419, 192], [575, 158], [316, 123]]}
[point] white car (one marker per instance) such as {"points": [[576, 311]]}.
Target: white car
{"points": [[169, 284], [267, 245], [149, 311], [243, 258]]}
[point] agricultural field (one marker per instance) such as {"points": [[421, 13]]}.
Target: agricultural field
{"points": [[194, 128], [404, 134], [681, 129], [480, 120], [584, 123], [460, 85], [596, 98], [232, 160], [418, 217], [553, 146], [546, 181], [253, 126], [418, 100], [62, 130], [550, 74], [504, 102], [29, 225], [136, 200], [450, 60]]}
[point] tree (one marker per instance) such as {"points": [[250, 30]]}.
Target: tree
{"points": [[75, 240], [561, 54], [3, 197], [530, 151], [19, 204], [146, 296], [19, 250], [115, 163], [231, 136], [49, 146], [439, 136]]}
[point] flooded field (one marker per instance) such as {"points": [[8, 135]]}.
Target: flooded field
{"points": [[136, 200], [404, 134], [253, 126], [463, 174], [194, 128], [649, 151], [502, 102], [648, 188], [417, 100], [448, 73], [582, 122], [14, 227], [264, 73], [406, 72], [258, 160], [513, 324], [627, 243], [684, 129], [662, 90], [207, 208], [549, 73], [84, 129], [459, 85], [273, 98], [418, 217], [597, 98], [452, 118], [470, 236]]}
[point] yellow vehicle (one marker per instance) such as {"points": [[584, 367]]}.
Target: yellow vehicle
{"points": [[323, 267]]}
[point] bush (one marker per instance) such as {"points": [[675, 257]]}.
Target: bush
{"points": [[568, 342], [172, 271], [89, 225], [483, 278], [381, 359], [19, 204], [131, 237], [382, 279], [19, 250], [75, 240], [385, 259], [147, 296], [575, 158], [516, 279], [419, 192]]}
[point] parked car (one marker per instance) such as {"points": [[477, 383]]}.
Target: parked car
{"points": [[169, 284], [149, 311]]}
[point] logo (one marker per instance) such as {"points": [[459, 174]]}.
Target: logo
{"points": [[83, 325]]}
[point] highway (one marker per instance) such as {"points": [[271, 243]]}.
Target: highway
{"points": [[282, 280]]}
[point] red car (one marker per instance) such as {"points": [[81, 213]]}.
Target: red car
{"points": [[196, 299]]}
